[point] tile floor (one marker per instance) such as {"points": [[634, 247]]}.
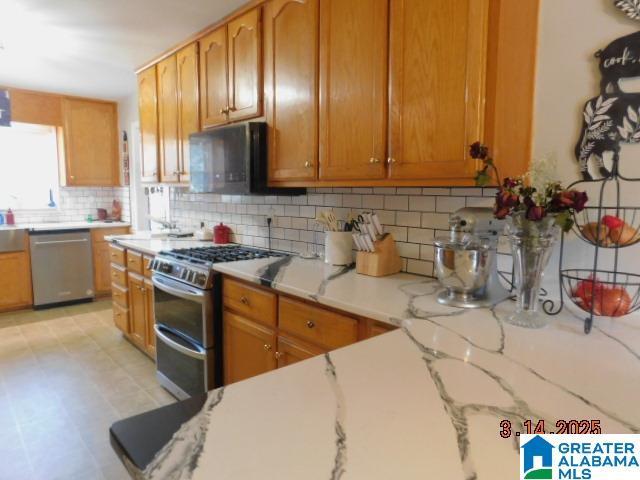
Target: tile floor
{"points": [[66, 375]]}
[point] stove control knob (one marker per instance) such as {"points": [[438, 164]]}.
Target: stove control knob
{"points": [[201, 279], [191, 276], [165, 268], [183, 274]]}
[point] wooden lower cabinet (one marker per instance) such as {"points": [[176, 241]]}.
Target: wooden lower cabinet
{"points": [[291, 351], [103, 254], [133, 302], [121, 318], [150, 319], [299, 330], [15, 280], [249, 348], [137, 306]]}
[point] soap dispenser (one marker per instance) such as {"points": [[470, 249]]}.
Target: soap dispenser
{"points": [[11, 219]]}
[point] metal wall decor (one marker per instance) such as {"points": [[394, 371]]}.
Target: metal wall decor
{"points": [[630, 7], [602, 288], [5, 109]]}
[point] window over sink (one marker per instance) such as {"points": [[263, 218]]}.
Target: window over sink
{"points": [[29, 176]]}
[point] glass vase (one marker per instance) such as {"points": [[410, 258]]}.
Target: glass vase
{"points": [[531, 246]]}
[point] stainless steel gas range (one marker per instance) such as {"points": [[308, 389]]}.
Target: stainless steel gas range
{"points": [[188, 314]]}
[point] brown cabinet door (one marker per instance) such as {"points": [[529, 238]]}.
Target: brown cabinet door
{"points": [[437, 63], [150, 319], [292, 351], [148, 108], [188, 105], [91, 142], [249, 348], [15, 280], [214, 78], [245, 54], [291, 29], [137, 306], [353, 89], [102, 267], [168, 119]]}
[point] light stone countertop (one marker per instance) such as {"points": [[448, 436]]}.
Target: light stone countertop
{"points": [[423, 401], [38, 227]]}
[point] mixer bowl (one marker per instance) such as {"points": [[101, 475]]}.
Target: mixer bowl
{"points": [[463, 271]]}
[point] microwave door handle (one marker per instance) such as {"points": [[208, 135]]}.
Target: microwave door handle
{"points": [[199, 352], [184, 293]]}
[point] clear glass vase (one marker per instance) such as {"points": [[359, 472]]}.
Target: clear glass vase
{"points": [[531, 246]]}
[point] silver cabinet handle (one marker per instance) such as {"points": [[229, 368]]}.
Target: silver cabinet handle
{"points": [[198, 352]]}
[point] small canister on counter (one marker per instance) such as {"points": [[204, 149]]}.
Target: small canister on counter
{"points": [[221, 233]]}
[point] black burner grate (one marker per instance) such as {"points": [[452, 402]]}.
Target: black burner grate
{"points": [[232, 253]]}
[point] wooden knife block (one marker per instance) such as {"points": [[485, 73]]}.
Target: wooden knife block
{"points": [[384, 261]]}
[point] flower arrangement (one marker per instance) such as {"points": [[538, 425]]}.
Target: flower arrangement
{"points": [[535, 195]]}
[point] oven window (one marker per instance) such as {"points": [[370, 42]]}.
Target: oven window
{"points": [[186, 372], [178, 314]]}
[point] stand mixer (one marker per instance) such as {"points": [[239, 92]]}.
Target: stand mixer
{"points": [[466, 260]]}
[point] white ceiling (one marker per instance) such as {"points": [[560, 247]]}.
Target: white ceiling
{"points": [[92, 47]]}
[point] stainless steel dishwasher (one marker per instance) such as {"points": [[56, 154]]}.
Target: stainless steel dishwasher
{"points": [[61, 267]]}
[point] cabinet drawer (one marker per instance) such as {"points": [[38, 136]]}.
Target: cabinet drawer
{"points": [[146, 262], [134, 262], [252, 302], [119, 275], [121, 318], [117, 255], [319, 326], [98, 234], [119, 295], [378, 328]]}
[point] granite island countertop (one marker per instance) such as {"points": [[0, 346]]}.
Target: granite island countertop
{"points": [[423, 401]]}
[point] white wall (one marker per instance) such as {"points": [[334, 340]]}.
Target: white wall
{"points": [[571, 31]]}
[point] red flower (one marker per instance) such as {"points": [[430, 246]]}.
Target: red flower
{"points": [[478, 151], [536, 213], [570, 199]]}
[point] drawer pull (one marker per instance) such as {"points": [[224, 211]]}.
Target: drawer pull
{"points": [[310, 324], [114, 255], [278, 355], [244, 300], [267, 347]]}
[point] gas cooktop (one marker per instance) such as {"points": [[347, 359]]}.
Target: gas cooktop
{"points": [[193, 265]]}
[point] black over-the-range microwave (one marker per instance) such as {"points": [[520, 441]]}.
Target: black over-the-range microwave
{"points": [[233, 160]]}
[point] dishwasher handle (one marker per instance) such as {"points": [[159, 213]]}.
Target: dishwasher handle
{"points": [[61, 242]]}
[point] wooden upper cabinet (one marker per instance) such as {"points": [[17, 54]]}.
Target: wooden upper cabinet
{"points": [[245, 68], [291, 88], [353, 89], [148, 108], [188, 105], [214, 78], [91, 142], [437, 71], [168, 119]]}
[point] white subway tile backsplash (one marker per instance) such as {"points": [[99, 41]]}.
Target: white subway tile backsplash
{"points": [[408, 219], [422, 203], [414, 216], [449, 204], [435, 220], [396, 202], [373, 202]]}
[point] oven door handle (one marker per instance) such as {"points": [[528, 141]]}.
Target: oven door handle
{"points": [[185, 292], [199, 352]]}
